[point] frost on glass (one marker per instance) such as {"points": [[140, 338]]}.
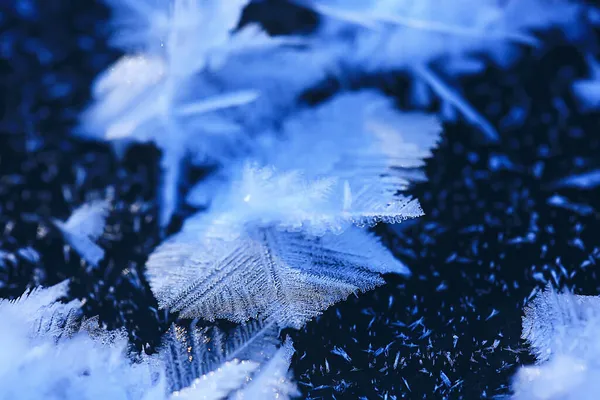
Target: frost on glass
{"points": [[562, 331]]}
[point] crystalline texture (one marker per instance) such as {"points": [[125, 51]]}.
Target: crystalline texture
{"points": [[188, 71], [284, 276], [282, 241], [49, 351], [557, 323], [377, 35], [217, 364], [83, 227], [562, 330], [341, 163]]}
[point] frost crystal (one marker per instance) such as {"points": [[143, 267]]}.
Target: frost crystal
{"points": [[341, 163], [83, 227], [272, 381], [288, 277], [431, 39], [218, 384], [189, 68], [562, 330], [48, 351], [57, 353], [244, 363], [41, 313], [358, 152], [282, 240]]}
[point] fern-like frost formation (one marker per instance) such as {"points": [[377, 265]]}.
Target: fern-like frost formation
{"points": [[283, 242], [562, 331], [62, 355], [50, 351], [269, 273]]}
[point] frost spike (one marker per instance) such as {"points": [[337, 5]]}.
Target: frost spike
{"points": [[450, 94], [194, 359], [83, 227], [272, 382]]}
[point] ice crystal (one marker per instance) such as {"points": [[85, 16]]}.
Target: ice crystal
{"points": [[188, 64], [242, 363], [57, 353], [562, 330], [282, 241], [338, 164], [285, 276], [49, 351], [389, 35], [83, 227]]}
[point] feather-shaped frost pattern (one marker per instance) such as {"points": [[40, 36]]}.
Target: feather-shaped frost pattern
{"points": [[562, 330], [265, 197], [190, 352], [365, 125], [557, 323], [41, 312], [215, 364], [49, 351], [60, 354], [343, 163], [371, 149], [282, 241], [282, 276], [83, 228]]}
